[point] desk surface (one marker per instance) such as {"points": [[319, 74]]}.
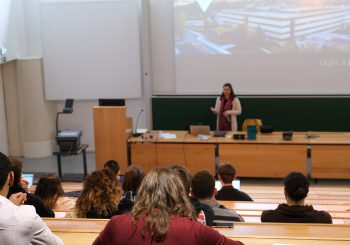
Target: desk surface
{"points": [[244, 230], [272, 138]]}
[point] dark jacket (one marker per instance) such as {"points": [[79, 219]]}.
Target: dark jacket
{"points": [[207, 210], [295, 214], [231, 194], [33, 200]]}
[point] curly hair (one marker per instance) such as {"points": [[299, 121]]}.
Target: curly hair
{"points": [[101, 194], [160, 196], [49, 189]]}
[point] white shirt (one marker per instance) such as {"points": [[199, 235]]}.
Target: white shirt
{"points": [[22, 225]]}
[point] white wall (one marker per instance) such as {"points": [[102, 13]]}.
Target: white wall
{"points": [[157, 59], [82, 117], [162, 46], [3, 124]]}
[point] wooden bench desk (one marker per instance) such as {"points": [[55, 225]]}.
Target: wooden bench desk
{"points": [[84, 231]]}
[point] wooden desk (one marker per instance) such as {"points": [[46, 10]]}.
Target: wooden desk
{"points": [[84, 231], [330, 156], [187, 150], [267, 156]]}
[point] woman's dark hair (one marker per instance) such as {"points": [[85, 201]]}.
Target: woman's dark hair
{"points": [[184, 175], [5, 169], [17, 167], [49, 189], [132, 179], [162, 195], [296, 186], [113, 166], [232, 94]]}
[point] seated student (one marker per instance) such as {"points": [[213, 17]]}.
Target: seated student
{"points": [[203, 188], [113, 166], [100, 196], [19, 224], [162, 214], [132, 181], [226, 174], [49, 190], [296, 188], [41, 209], [186, 179]]}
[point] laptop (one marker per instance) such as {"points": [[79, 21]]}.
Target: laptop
{"points": [[196, 130], [30, 178], [236, 184]]}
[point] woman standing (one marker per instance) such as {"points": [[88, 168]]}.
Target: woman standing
{"points": [[227, 107]]}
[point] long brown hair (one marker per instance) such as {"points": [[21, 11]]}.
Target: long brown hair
{"points": [[232, 94], [49, 189], [161, 195], [132, 179], [101, 194]]}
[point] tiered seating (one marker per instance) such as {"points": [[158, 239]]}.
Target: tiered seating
{"points": [[334, 199]]}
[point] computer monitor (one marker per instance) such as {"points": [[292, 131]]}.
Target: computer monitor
{"points": [[111, 102], [30, 178]]}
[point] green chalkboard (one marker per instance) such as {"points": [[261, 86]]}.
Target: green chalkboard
{"points": [[289, 113]]}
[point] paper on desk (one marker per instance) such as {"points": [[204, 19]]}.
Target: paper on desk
{"points": [[60, 214], [203, 137], [167, 136]]}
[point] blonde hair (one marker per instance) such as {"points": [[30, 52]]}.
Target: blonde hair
{"points": [[160, 196], [101, 194]]}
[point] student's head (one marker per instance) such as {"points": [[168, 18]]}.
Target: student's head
{"points": [[6, 174], [184, 175], [161, 195], [227, 91], [101, 194], [296, 186], [17, 167], [203, 185], [226, 173], [49, 189], [112, 166], [132, 179]]}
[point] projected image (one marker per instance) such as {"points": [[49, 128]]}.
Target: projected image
{"points": [[261, 26]]}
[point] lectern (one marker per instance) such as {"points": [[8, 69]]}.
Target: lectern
{"points": [[110, 130]]}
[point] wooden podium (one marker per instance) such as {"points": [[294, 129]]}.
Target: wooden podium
{"points": [[110, 130]]}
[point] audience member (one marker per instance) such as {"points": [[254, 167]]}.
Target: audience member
{"points": [[49, 190], [19, 224], [41, 209], [100, 196], [113, 166], [132, 181], [162, 214], [296, 188], [203, 188], [226, 174], [186, 179]]}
